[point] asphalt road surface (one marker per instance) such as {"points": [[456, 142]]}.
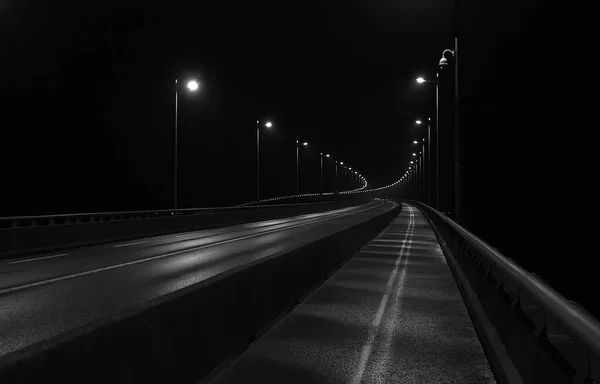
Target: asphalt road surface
{"points": [[392, 314], [45, 295]]}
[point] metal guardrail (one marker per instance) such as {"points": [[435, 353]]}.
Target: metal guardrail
{"points": [[567, 336], [80, 218]]}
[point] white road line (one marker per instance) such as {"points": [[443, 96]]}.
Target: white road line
{"points": [[38, 258], [124, 245], [381, 245], [379, 252], [382, 359], [366, 352], [67, 277], [392, 275], [364, 356], [382, 305]]}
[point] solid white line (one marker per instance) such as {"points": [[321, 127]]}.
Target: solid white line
{"points": [[382, 305], [67, 277], [366, 352], [38, 258], [379, 252], [392, 275], [381, 245], [364, 357], [124, 245]]}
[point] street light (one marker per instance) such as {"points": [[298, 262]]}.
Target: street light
{"points": [[297, 166], [437, 137], [192, 86], [418, 122], [321, 156], [335, 184], [444, 61], [268, 124], [457, 167]]}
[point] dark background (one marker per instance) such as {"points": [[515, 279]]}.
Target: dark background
{"points": [[87, 109]]}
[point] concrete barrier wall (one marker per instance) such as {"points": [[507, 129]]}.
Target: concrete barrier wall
{"points": [[182, 337], [18, 241]]}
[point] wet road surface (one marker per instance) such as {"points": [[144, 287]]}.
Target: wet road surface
{"points": [[46, 295]]}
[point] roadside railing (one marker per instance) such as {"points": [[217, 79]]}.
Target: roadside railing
{"points": [[549, 338]]}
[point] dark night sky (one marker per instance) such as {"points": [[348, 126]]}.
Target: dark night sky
{"points": [[88, 103]]}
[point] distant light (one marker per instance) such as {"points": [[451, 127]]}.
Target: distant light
{"points": [[420, 80], [268, 124], [414, 154], [305, 143], [412, 162], [341, 163], [415, 142], [418, 122], [192, 85], [327, 155]]}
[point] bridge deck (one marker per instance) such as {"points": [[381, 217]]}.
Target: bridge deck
{"points": [[393, 313]]}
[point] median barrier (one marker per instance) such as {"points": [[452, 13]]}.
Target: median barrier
{"points": [[16, 241]]}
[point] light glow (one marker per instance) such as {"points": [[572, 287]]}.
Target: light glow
{"points": [[192, 85]]}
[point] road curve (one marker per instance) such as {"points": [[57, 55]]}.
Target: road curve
{"points": [[45, 295]]}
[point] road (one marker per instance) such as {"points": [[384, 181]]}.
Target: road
{"points": [[45, 295], [392, 314]]}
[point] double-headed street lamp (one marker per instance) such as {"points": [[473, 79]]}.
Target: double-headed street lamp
{"points": [[268, 124], [298, 143], [192, 86]]}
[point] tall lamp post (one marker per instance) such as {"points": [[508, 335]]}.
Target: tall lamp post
{"points": [[192, 86], [328, 155], [421, 80], [424, 173], [268, 124], [457, 167], [335, 188], [297, 167], [321, 173], [350, 185], [426, 162], [344, 181]]}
